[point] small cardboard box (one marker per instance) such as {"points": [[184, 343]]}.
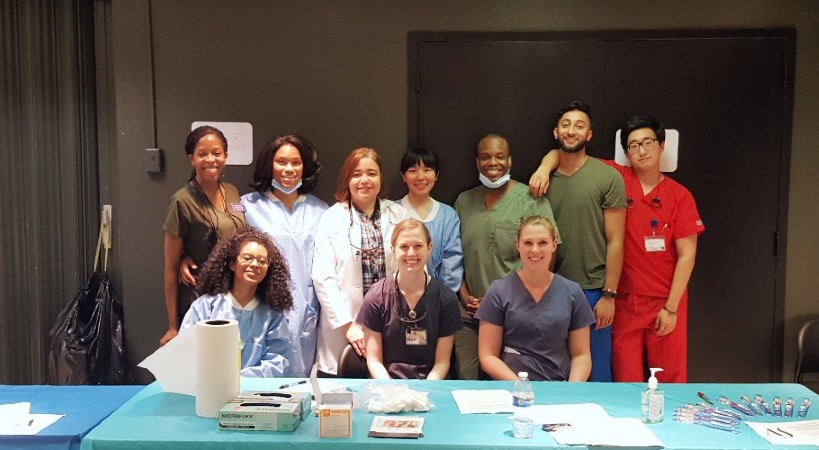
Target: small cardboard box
{"points": [[303, 399], [335, 420], [263, 416]]}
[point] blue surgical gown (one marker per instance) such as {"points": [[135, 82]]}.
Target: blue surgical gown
{"points": [[446, 263], [265, 339], [294, 232]]}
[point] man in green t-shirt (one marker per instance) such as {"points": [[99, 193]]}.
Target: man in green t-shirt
{"points": [[589, 202]]}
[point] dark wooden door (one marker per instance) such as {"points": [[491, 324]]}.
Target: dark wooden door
{"points": [[729, 95]]}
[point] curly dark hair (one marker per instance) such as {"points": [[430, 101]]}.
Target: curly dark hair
{"points": [[217, 276]]}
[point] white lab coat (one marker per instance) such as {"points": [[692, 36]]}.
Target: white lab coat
{"points": [[337, 274]]}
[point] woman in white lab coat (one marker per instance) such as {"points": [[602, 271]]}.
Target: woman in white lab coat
{"points": [[352, 252]]}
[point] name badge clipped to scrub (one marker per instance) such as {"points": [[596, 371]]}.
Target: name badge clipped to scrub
{"points": [[655, 242], [416, 336]]}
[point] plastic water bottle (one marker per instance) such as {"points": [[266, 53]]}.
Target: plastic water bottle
{"points": [[522, 398]]}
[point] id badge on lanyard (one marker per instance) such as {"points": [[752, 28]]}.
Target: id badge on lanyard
{"points": [[416, 336], [655, 242]]}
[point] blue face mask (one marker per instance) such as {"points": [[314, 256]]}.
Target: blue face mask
{"points": [[494, 184], [275, 184]]}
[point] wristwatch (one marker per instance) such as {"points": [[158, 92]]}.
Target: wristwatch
{"points": [[610, 293]]}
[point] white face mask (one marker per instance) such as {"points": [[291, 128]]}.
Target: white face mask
{"points": [[493, 184], [275, 184]]}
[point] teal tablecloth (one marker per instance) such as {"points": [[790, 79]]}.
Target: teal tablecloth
{"points": [[154, 419]]}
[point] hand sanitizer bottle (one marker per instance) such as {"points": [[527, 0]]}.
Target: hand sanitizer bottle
{"points": [[652, 400]]}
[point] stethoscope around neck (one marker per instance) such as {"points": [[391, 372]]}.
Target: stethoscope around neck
{"points": [[655, 202], [412, 317], [358, 249]]}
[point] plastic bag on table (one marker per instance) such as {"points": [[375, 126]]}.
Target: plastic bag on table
{"points": [[394, 397], [86, 342]]}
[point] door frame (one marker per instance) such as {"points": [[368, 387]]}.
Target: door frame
{"points": [[777, 327]]}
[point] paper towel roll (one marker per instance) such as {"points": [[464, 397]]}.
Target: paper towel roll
{"points": [[218, 363]]}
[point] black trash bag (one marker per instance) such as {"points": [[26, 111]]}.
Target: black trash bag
{"points": [[86, 342]]}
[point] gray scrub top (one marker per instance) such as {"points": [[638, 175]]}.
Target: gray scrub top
{"points": [[536, 334]]}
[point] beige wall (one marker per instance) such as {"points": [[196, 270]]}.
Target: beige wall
{"points": [[336, 72]]}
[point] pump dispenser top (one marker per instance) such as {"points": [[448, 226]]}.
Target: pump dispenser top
{"points": [[652, 380]]}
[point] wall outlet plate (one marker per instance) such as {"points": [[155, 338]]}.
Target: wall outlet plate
{"points": [[153, 160]]}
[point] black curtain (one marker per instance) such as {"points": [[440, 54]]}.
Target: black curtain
{"points": [[48, 168]]}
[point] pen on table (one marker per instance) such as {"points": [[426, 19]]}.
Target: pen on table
{"points": [[789, 407], [777, 406], [705, 412], [707, 417], [762, 403], [30, 422], [295, 383], [753, 406], [705, 397], [721, 411], [803, 409], [716, 425], [728, 402]]}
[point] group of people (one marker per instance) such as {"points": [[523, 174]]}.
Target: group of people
{"points": [[582, 273]]}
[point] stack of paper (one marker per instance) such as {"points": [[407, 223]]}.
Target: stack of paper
{"points": [[805, 432], [487, 401], [397, 427]]}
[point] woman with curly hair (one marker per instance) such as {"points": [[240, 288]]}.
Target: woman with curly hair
{"points": [[246, 279]]}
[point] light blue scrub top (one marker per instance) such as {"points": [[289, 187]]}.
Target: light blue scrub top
{"points": [[294, 232], [446, 263], [266, 349]]}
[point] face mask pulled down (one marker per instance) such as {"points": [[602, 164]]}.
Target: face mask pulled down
{"points": [[494, 184], [276, 185]]}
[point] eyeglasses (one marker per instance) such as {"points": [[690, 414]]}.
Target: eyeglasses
{"points": [[247, 259], [648, 144]]}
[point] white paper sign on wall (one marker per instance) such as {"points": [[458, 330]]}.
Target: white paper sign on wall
{"points": [[239, 136]]}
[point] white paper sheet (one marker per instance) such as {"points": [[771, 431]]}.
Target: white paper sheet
{"points": [[590, 424], [202, 361], [614, 432], [487, 401], [15, 420], [13, 414], [804, 432], [174, 364]]}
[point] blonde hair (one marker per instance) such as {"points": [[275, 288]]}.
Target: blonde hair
{"points": [[409, 224], [545, 222]]}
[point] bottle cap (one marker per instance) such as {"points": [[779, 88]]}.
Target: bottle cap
{"points": [[523, 374]]}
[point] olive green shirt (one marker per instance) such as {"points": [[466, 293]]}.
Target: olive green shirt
{"points": [[578, 201], [488, 236], [192, 217]]}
